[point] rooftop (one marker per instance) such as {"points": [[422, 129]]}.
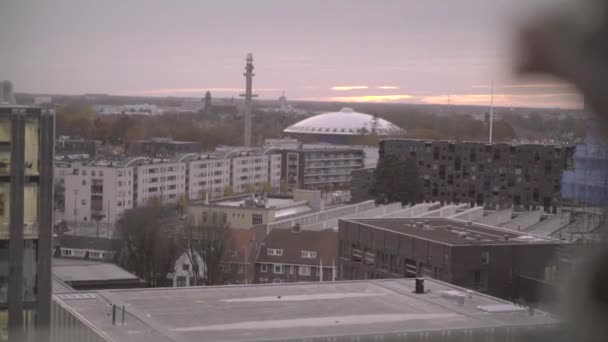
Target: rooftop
{"points": [[454, 232], [79, 273], [298, 311], [344, 122]]}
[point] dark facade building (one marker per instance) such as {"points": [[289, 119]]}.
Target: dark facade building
{"points": [[67, 146], [525, 176], [292, 255], [27, 140], [162, 147], [478, 257], [360, 184], [320, 169]]}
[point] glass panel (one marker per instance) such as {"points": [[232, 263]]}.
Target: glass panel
{"points": [[4, 210], [3, 271], [30, 211], [3, 325], [30, 270], [32, 144], [5, 146]]}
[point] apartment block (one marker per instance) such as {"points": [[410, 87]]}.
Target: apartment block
{"points": [[206, 175], [99, 192], [249, 170], [484, 258], [525, 176], [160, 180], [320, 169]]}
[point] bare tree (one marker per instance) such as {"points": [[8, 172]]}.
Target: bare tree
{"points": [[149, 249], [211, 243]]}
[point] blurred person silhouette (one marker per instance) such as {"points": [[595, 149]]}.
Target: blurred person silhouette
{"points": [[570, 42]]}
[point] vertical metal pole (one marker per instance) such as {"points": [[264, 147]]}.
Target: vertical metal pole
{"points": [[17, 180], [45, 218], [108, 218]]}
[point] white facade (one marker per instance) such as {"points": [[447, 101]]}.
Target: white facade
{"points": [[274, 171], [208, 175], [94, 191], [249, 171], [159, 180], [183, 274]]}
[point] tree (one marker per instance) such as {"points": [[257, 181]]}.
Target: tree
{"points": [[228, 190], [396, 180], [250, 188], [149, 250], [267, 187], [284, 188], [211, 243]]}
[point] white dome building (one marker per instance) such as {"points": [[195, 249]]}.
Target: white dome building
{"points": [[337, 127]]}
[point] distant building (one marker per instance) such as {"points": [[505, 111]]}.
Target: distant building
{"points": [[87, 275], [27, 140], [88, 247], [479, 257], [247, 211], [525, 176], [162, 147], [76, 146], [189, 270], [294, 255], [207, 175], [340, 127], [319, 169], [360, 184]]}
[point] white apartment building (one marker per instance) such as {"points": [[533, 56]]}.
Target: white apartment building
{"points": [[274, 168], [206, 174], [99, 191], [249, 170], [160, 180]]}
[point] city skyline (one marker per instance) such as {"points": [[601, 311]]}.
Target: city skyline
{"points": [[347, 51]]}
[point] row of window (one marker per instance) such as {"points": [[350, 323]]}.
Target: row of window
{"points": [[82, 253], [289, 269]]}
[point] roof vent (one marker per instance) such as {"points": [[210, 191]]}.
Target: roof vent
{"points": [[346, 110]]}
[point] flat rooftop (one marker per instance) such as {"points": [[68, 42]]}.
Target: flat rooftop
{"points": [[240, 202], [454, 232], [297, 311], [78, 270]]}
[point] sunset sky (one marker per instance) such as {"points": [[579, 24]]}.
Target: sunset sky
{"points": [[386, 51]]}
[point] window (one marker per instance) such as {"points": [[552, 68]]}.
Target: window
{"points": [[309, 254], [264, 268], [304, 270], [186, 267], [66, 252], [83, 202], [485, 258], [256, 219], [275, 251], [84, 182], [278, 269]]}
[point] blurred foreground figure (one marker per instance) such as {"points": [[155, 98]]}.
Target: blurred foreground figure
{"points": [[572, 44]]}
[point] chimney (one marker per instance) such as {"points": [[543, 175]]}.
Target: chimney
{"points": [[419, 286]]}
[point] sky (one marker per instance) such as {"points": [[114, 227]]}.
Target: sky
{"points": [[431, 51]]}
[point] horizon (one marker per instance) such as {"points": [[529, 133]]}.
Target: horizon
{"points": [[339, 51]]}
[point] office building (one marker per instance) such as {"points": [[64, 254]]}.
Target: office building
{"points": [[525, 176], [480, 257], [27, 137], [372, 310]]}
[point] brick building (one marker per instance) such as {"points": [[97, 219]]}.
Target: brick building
{"points": [[526, 176], [292, 255], [480, 257]]}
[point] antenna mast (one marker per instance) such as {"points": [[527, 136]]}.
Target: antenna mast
{"points": [[491, 112]]}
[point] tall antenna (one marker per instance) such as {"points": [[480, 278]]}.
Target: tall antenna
{"points": [[491, 112], [248, 99]]}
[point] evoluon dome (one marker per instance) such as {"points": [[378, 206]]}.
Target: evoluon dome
{"points": [[338, 126]]}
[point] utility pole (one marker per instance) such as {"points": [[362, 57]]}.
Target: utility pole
{"points": [[248, 99]]}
